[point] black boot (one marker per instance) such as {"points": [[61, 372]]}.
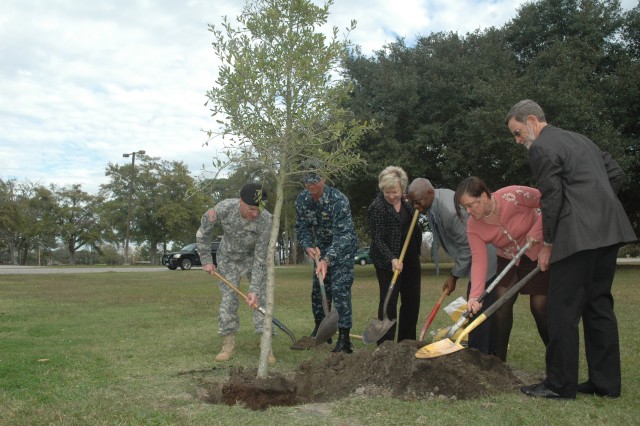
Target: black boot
{"points": [[344, 344]]}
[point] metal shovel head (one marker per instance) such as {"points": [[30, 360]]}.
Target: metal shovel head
{"points": [[446, 346], [328, 327], [376, 329], [442, 347], [443, 333]]}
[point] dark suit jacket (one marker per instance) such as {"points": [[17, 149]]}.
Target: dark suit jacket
{"points": [[386, 238], [579, 182]]}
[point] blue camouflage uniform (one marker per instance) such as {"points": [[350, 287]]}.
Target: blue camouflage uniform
{"points": [[328, 225]]}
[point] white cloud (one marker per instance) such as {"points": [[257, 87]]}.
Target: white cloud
{"points": [[81, 83]]}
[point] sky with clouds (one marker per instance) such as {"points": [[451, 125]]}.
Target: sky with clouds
{"points": [[82, 82]]}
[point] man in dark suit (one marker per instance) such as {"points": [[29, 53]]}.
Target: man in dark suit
{"points": [[584, 224]]}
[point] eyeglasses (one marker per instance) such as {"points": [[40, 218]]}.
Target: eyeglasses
{"points": [[516, 132], [470, 205]]}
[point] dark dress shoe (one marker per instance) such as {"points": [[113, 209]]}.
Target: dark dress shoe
{"points": [[541, 391], [591, 389]]}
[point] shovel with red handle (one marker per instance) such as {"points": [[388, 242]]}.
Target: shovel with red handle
{"points": [[433, 313]]}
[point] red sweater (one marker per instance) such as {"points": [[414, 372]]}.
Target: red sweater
{"points": [[519, 214]]}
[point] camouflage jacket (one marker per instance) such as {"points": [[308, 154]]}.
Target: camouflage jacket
{"points": [[242, 241], [326, 224]]}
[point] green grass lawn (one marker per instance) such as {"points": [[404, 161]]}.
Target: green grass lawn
{"points": [[135, 348]]}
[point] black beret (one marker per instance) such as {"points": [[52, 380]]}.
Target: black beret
{"points": [[253, 194]]}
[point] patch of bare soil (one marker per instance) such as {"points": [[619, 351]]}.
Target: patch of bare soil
{"points": [[389, 370]]}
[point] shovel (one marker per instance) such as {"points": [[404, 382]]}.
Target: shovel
{"points": [[465, 315], [378, 328], [259, 308], [329, 324], [446, 346], [433, 313]]}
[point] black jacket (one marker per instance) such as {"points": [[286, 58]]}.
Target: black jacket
{"points": [[579, 182], [386, 233]]}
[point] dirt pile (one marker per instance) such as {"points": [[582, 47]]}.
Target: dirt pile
{"points": [[389, 370]]}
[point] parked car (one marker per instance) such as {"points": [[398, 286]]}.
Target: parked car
{"points": [[362, 256], [188, 256]]}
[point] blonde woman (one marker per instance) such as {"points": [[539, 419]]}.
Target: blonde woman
{"points": [[390, 216]]}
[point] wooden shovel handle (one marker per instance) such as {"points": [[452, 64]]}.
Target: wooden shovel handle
{"points": [[234, 288], [416, 213]]}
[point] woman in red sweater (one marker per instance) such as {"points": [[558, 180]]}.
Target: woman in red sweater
{"points": [[507, 219]]}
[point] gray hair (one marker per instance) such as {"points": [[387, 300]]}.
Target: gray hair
{"points": [[391, 176], [523, 109]]}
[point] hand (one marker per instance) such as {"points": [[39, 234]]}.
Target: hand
{"points": [[209, 268], [313, 252], [450, 285], [252, 300], [321, 269], [396, 265], [544, 255], [473, 305]]}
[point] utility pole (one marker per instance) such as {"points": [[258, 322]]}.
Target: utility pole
{"points": [[131, 190]]}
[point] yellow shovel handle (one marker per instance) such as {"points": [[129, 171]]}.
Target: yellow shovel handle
{"points": [[416, 213]]}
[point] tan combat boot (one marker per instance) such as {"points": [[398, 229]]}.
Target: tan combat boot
{"points": [[272, 359], [228, 346]]}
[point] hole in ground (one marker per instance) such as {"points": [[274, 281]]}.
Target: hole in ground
{"points": [[389, 370]]}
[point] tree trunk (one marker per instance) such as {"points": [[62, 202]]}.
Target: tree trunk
{"points": [[265, 342], [72, 251]]}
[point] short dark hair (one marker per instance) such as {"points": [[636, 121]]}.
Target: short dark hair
{"points": [[472, 186]]}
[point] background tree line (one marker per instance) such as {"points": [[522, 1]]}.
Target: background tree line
{"points": [[442, 101], [440, 104]]}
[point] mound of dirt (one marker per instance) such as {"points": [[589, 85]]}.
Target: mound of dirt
{"points": [[389, 370]]}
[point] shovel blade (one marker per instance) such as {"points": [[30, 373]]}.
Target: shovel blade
{"points": [[328, 327], [440, 348], [376, 330]]}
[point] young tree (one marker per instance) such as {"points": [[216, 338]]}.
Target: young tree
{"points": [[276, 102]]}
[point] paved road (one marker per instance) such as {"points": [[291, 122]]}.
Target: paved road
{"points": [[11, 269]]}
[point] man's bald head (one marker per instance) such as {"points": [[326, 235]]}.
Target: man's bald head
{"points": [[421, 193]]}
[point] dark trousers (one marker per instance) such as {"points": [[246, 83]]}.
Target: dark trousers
{"points": [[408, 287], [480, 337], [337, 284], [580, 286]]}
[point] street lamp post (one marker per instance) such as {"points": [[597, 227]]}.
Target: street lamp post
{"points": [[131, 190]]}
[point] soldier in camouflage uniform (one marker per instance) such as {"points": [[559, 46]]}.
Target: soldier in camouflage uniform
{"points": [[324, 228], [243, 250]]}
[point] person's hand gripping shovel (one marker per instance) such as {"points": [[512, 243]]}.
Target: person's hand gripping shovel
{"points": [[255, 306], [446, 346], [463, 318], [378, 328], [329, 324]]}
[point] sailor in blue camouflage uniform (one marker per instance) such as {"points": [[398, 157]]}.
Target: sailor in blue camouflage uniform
{"points": [[324, 228], [243, 250]]}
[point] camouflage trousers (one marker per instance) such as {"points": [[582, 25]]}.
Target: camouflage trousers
{"points": [[228, 320], [337, 284]]}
